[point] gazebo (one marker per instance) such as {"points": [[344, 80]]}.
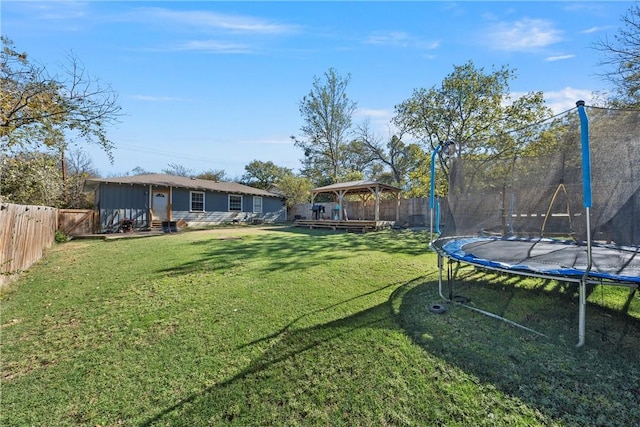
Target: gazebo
{"points": [[365, 190]]}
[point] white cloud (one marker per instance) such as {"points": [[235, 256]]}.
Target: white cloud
{"points": [[559, 57], [596, 30], [563, 99], [215, 21], [400, 39], [523, 35], [374, 113], [566, 98], [72, 16], [212, 46], [393, 38], [57, 10]]}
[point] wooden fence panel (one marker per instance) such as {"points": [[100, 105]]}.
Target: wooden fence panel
{"points": [[76, 222], [25, 233]]}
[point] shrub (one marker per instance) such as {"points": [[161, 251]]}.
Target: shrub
{"points": [[61, 237]]}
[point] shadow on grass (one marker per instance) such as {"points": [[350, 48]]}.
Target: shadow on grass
{"points": [[598, 384], [292, 356], [290, 249]]}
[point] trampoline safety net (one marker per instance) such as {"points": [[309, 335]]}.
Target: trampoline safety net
{"points": [[537, 189]]}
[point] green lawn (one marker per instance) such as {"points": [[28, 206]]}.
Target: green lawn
{"points": [[303, 327]]}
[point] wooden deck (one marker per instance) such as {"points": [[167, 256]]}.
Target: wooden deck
{"points": [[353, 225]]}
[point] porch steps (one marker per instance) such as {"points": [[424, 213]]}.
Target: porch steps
{"points": [[156, 225]]}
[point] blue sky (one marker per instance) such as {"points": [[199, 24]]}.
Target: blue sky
{"points": [[215, 85]]}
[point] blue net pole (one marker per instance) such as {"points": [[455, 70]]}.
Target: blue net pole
{"points": [[586, 158]]}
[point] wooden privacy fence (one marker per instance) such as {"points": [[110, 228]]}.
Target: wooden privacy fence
{"points": [[25, 232]]}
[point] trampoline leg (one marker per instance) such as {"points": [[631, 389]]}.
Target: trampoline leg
{"points": [[581, 313], [450, 277], [440, 265]]}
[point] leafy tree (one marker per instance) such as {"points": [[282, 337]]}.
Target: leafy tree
{"points": [[327, 112], [419, 178], [31, 178], [263, 174], [296, 189], [37, 109], [353, 175], [37, 178], [358, 159], [474, 110], [216, 175], [622, 57]]}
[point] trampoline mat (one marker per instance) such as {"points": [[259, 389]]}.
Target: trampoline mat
{"points": [[545, 256]]}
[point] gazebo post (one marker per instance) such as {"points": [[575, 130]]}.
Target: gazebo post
{"points": [[376, 194]]}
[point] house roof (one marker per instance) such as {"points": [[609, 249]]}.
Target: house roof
{"points": [[356, 187], [163, 180]]}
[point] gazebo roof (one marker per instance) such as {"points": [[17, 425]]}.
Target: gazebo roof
{"points": [[356, 187]]}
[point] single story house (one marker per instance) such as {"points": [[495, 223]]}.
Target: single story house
{"points": [[154, 200]]}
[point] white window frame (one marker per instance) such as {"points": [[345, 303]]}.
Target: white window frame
{"points": [[193, 193], [257, 204], [240, 204]]}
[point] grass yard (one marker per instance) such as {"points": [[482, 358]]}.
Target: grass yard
{"points": [[295, 327]]}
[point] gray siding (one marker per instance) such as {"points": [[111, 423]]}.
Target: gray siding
{"points": [[116, 202], [114, 196], [119, 201], [216, 202], [271, 204], [180, 199]]}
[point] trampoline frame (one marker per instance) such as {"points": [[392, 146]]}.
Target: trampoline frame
{"points": [[581, 281], [585, 279]]}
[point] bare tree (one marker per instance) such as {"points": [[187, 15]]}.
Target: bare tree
{"points": [[38, 109], [178, 170], [393, 157], [77, 168], [622, 58]]}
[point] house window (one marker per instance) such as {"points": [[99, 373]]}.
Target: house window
{"points": [[235, 203], [257, 204], [197, 201]]}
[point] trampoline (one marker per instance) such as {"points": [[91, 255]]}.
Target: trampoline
{"points": [[567, 209], [547, 258]]}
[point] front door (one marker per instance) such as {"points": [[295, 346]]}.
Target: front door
{"points": [[160, 205]]}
